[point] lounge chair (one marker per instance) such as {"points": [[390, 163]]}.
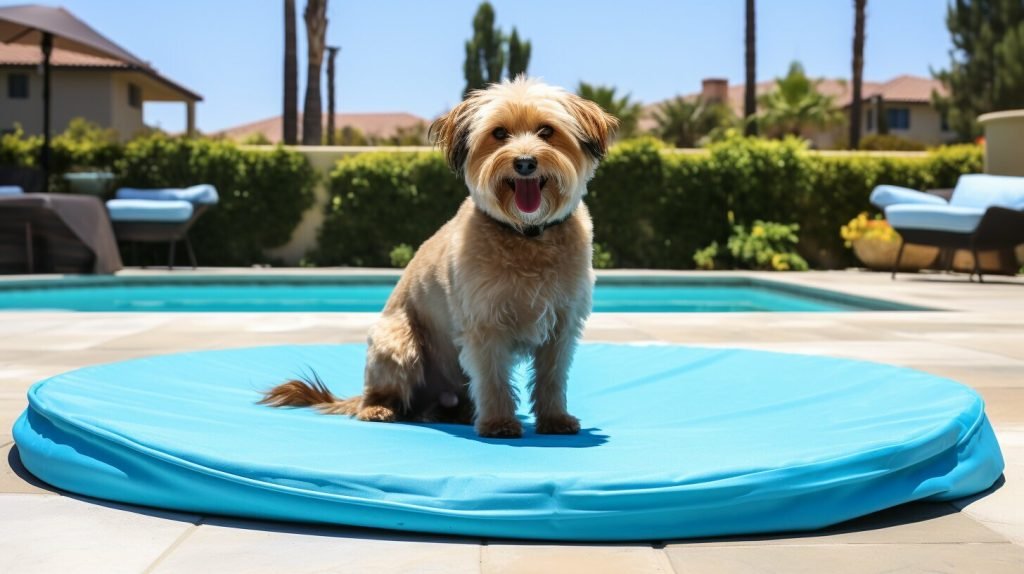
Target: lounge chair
{"points": [[160, 215], [985, 212], [55, 233]]}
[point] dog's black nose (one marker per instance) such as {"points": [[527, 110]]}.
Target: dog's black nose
{"points": [[525, 165]]}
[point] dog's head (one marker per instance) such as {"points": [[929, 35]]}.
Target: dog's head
{"points": [[525, 149]]}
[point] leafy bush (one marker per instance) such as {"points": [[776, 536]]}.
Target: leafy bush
{"points": [[401, 255], [84, 146], [262, 193], [766, 246], [888, 142], [602, 259], [652, 207], [381, 199]]}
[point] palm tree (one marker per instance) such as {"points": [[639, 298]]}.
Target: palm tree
{"points": [[683, 122], [858, 71], [796, 104], [291, 77], [332, 54], [316, 32], [750, 89], [627, 111]]}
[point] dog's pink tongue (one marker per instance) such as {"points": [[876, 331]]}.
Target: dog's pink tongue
{"points": [[528, 194]]}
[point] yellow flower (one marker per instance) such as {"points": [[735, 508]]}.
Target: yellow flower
{"points": [[758, 231]]}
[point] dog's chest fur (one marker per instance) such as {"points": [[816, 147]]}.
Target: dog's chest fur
{"points": [[530, 283]]}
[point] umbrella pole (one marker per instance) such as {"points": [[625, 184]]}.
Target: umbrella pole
{"points": [[47, 49]]}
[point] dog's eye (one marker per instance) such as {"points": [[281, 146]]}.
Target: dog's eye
{"points": [[545, 132], [500, 133]]}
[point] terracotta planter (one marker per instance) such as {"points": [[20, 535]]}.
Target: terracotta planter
{"points": [[1003, 262], [880, 255]]}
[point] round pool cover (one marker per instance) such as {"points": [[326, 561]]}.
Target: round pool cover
{"points": [[677, 442]]}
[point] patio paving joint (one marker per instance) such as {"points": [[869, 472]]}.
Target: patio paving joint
{"points": [[174, 546]]}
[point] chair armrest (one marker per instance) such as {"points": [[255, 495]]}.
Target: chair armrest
{"points": [[198, 194], [885, 195]]}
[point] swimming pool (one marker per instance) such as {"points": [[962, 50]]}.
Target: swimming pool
{"points": [[291, 293]]}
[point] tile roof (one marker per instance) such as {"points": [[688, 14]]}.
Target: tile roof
{"points": [[371, 124], [28, 55], [24, 55]]}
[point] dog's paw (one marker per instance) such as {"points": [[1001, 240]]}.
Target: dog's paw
{"points": [[500, 428], [377, 414], [558, 424]]}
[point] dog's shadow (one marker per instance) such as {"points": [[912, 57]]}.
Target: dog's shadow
{"points": [[586, 438]]}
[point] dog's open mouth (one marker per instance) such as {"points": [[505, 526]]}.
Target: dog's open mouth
{"points": [[527, 192]]}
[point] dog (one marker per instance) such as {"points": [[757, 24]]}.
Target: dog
{"points": [[508, 277]]}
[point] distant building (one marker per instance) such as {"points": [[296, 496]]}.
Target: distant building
{"points": [[104, 91], [374, 125], [906, 100]]}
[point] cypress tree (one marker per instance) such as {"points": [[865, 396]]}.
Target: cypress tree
{"points": [[518, 55], [485, 51], [986, 72]]}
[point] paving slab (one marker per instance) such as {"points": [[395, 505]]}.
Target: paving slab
{"points": [[914, 523], [221, 545], [506, 558], [15, 478], [1002, 558], [43, 534]]}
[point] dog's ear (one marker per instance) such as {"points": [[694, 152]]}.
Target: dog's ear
{"points": [[450, 132], [596, 126]]}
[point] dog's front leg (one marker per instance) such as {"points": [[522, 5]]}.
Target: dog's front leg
{"points": [[551, 362], [487, 358]]}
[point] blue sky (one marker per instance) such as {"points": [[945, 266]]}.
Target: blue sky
{"points": [[406, 55]]}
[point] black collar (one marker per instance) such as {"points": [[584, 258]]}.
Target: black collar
{"points": [[530, 230]]}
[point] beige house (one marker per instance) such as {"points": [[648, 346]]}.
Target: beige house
{"points": [[905, 100], [105, 91]]}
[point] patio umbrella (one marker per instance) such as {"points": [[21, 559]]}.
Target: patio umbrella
{"points": [[51, 28]]}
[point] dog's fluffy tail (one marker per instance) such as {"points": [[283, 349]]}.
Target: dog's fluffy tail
{"points": [[310, 392]]}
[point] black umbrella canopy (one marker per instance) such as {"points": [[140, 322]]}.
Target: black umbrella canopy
{"points": [[51, 28], [26, 24]]}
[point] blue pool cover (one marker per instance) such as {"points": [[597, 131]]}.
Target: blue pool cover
{"points": [[678, 442]]}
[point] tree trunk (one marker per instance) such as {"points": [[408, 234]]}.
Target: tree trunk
{"points": [[332, 54], [291, 77], [750, 89], [858, 72], [316, 32]]}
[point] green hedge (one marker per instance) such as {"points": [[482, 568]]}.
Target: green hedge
{"points": [[262, 194], [653, 207], [380, 200]]}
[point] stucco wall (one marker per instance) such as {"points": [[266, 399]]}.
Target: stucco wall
{"points": [[124, 118], [98, 96]]}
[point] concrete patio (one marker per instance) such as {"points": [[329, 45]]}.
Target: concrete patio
{"points": [[977, 338]]}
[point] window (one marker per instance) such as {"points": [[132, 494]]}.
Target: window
{"points": [[17, 86], [944, 122], [899, 118], [134, 96]]}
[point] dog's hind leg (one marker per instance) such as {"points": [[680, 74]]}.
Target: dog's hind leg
{"points": [[394, 368]]}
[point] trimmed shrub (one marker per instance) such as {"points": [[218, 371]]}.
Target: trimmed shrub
{"points": [[262, 194], [382, 199], [889, 142]]}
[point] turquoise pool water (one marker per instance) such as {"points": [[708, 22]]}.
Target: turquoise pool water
{"points": [[246, 293]]}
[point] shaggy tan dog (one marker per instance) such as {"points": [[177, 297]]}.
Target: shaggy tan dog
{"points": [[508, 277]]}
